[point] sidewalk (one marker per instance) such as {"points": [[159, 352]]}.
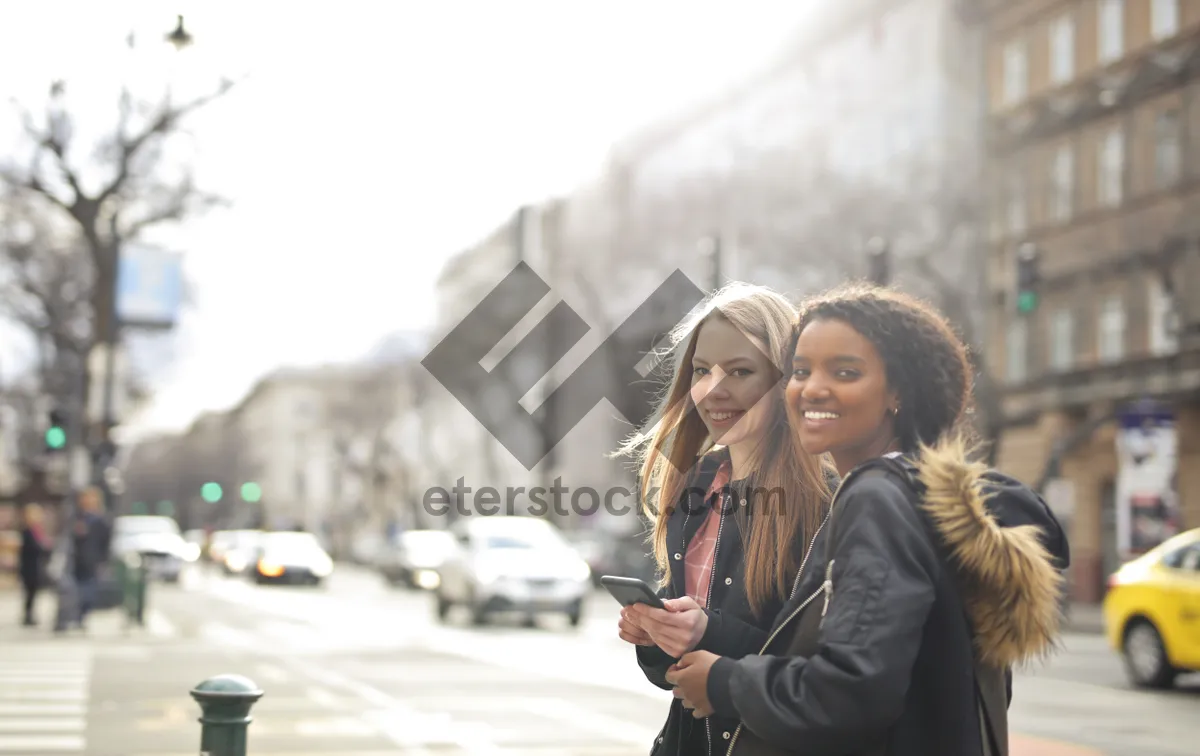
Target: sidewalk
{"points": [[108, 624]]}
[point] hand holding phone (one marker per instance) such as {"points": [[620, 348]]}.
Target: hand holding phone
{"points": [[628, 591]]}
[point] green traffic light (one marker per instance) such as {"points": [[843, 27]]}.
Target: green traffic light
{"points": [[211, 492], [1026, 302], [251, 492], [56, 438]]}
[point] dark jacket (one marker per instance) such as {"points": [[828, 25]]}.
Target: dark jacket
{"points": [[927, 583], [32, 560], [733, 630], [91, 546]]}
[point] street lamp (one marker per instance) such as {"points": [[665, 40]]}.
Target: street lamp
{"points": [[879, 261], [180, 37], [710, 249]]}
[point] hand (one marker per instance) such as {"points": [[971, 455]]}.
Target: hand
{"points": [[631, 632], [676, 629], [690, 678]]}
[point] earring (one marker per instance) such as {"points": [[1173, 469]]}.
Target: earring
{"points": [[895, 410]]}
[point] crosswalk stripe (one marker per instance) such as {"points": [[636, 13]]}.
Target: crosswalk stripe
{"points": [[25, 710], [38, 725], [44, 698], [41, 743]]}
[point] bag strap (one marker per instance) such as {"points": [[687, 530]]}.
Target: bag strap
{"points": [[993, 736]]}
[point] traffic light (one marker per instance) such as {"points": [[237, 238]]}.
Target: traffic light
{"points": [[56, 432], [1027, 278], [211, 492], [879, 261], [251, 492]]}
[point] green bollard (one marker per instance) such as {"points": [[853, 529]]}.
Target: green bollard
{"points": [[225, 702], [132, 574]]}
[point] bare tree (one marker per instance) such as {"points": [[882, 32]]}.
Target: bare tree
{"points": [[133, 196]]}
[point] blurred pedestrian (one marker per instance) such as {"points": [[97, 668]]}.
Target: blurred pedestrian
{"points": [[35, 553], [92, 542], [733, 498], [933, 576]]}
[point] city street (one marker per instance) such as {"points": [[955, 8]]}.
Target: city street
{"points": [[360, 668]]}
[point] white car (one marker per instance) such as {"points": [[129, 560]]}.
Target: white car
{"points": [[290, 557], [157, 539], [521, 564]]}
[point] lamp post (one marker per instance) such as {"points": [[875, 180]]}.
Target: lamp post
{"points": [[104, 452], [711, 251], [879, 261]]}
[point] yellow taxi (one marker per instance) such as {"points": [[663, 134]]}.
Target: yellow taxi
{"points": [[1152, 612]]}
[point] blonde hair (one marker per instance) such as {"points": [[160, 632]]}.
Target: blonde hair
{"points": [[669, 448]]}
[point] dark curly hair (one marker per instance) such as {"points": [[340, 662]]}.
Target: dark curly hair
{"points": [[927, 363]]}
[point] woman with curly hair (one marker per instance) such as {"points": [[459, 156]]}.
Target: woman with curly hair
{"points": [[931, 577]]}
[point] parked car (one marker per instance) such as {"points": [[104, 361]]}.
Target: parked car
{"points": [[519, 564], [416, 558], [291, 557], [1152, 612], [156, 539]]}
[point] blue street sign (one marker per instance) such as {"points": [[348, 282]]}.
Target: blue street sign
{"points": [[149, 287]]}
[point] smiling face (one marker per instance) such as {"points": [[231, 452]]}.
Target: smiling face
{"points": [[839, 395], [731, 384]]}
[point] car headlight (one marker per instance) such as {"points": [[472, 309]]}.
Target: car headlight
{"points": [[323, 567], [581, 571]]}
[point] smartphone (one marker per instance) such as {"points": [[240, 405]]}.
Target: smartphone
{"points": [[631, 591]]}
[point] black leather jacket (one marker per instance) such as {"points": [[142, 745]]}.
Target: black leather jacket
{"points": [[733, 630], [874, 654]]}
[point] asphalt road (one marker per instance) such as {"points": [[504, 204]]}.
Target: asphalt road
{"points": [[358, 668]]}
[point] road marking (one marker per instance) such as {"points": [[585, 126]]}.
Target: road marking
{"points": [[271, 672], [220, 634], [603, 725], [158, 625], [403, 725], [44, 698], [41, 743], [555, 658], [25, 709], [322, 697], [50, 725]]}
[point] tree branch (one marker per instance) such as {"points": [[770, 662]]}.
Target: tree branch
{"points": [[130, 147]]}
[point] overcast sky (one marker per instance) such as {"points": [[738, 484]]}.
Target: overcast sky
{"points": [[371, 141]]}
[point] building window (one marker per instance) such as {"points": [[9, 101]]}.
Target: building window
{"points": [[1018, 351], [1164, 321], [1111, 28], [1168, 148], [1016, 203], [1062, 340], [1164, 19], [1111, 331], [1062, 50], [1062, 183], [1112, 167], [1016, 71]]}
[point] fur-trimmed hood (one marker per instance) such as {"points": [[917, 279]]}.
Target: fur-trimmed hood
{"points": [[1009, 547]]}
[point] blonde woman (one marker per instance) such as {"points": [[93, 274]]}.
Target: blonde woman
{"points": [[733, 497], [35, 550]]}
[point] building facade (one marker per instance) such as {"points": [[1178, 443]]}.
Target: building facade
{"points": [[1093, 158]]}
